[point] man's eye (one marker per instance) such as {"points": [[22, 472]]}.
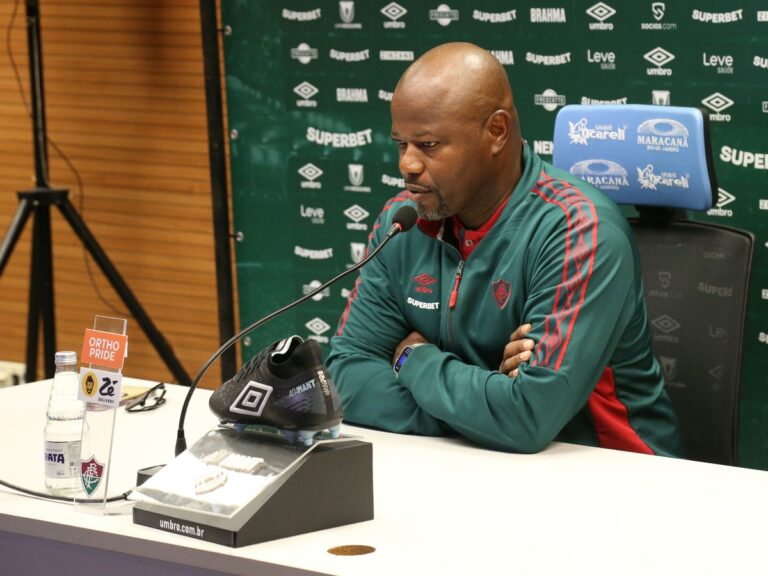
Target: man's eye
{"points": [[428, 145]]}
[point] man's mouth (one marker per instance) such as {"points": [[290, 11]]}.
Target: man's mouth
{"points": [[416, 189]]}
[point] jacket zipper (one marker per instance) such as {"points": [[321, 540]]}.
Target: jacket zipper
{"points": [[452, 301]]}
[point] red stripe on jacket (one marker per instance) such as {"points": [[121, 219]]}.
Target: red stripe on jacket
{"points": [[611, 420], [582, 222]]}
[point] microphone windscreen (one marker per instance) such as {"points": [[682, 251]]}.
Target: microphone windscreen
{"points": [[405, 217]]}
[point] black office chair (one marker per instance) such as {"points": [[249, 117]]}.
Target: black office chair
{"points": [[696, 275]]}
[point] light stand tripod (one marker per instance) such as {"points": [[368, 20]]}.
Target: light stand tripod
{"points": [[38, 202]]}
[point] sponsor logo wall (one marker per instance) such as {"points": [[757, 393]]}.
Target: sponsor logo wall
{"points": [[309, 84]]}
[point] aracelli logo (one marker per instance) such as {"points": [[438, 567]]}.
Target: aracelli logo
{"points": [[424, 281]]}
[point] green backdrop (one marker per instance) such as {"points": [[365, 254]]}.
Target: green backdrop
{"points": [[308, 86]]}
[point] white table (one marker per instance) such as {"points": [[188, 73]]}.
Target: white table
{"points": [[441, 507]]}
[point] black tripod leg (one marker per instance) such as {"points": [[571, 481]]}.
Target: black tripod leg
{"points": [[110, 272], [14, 232], [45, 292], [35, 296]]}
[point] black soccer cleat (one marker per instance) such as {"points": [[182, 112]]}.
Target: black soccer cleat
{"points": [[285, 386]]}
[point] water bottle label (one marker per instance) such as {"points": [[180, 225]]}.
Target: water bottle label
{"points": [[61, 460]]}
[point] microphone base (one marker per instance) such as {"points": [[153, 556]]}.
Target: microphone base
{"points": [[144, 474]]}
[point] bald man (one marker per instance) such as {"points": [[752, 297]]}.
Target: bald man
{"points": [[513, 315]]}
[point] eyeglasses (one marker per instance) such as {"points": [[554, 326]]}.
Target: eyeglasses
{"points": [[156, 394]]}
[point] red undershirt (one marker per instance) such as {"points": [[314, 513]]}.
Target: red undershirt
{"points": [[468, 240]]}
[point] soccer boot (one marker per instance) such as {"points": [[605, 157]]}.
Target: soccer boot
{"points": [[284, 387]]}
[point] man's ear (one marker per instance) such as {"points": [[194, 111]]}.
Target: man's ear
{"points": [[498, 127]]}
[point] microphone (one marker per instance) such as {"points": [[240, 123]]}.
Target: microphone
{"points": [[403, 221]]}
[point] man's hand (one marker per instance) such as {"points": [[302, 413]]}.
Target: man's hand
{"points": [[412, 338], [517, 351]]}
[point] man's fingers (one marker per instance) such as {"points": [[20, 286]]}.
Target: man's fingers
{"points": [[520, 332], [512, 362]]}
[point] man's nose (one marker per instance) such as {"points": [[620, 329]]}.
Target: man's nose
{"points": [[410, 163]]}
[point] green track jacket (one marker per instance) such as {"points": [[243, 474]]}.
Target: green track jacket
{"points": [[561, 257]]}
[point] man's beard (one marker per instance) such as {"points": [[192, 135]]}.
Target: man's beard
{"points": [[442, 210]]}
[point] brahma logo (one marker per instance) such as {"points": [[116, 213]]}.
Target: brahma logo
{"points": [[424, 281], [659, 58], [305, 91], [723, 199], [394, 12], [718, 102], [717, 17], [650, 181], [548, 15], [601, 12], [356, 175], [304, 53], [604, 174], [505, 57], [495, 17], [662, 135], [351, 95], [580, 133], [443, 15], [310, 173], [347, 15], [252, 399], [318, 327], [357, 214], [549, 100]]}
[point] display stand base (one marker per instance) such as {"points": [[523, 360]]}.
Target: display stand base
{"points": [[331, 485]]}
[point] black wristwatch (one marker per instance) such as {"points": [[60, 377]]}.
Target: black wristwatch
{"points": [[401, 359]]}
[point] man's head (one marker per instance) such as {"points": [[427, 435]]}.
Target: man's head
{"points": [[456, 126]]}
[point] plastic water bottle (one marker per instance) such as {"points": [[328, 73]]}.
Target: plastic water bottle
{"points": [[64, 428]]}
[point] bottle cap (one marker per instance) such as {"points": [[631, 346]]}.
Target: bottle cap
{"points": [[67, 357]]}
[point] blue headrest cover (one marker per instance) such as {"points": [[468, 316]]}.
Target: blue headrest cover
{"points": [[638, 154]]}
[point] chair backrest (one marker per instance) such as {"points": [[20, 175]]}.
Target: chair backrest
{"points": [[696, 275]]}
